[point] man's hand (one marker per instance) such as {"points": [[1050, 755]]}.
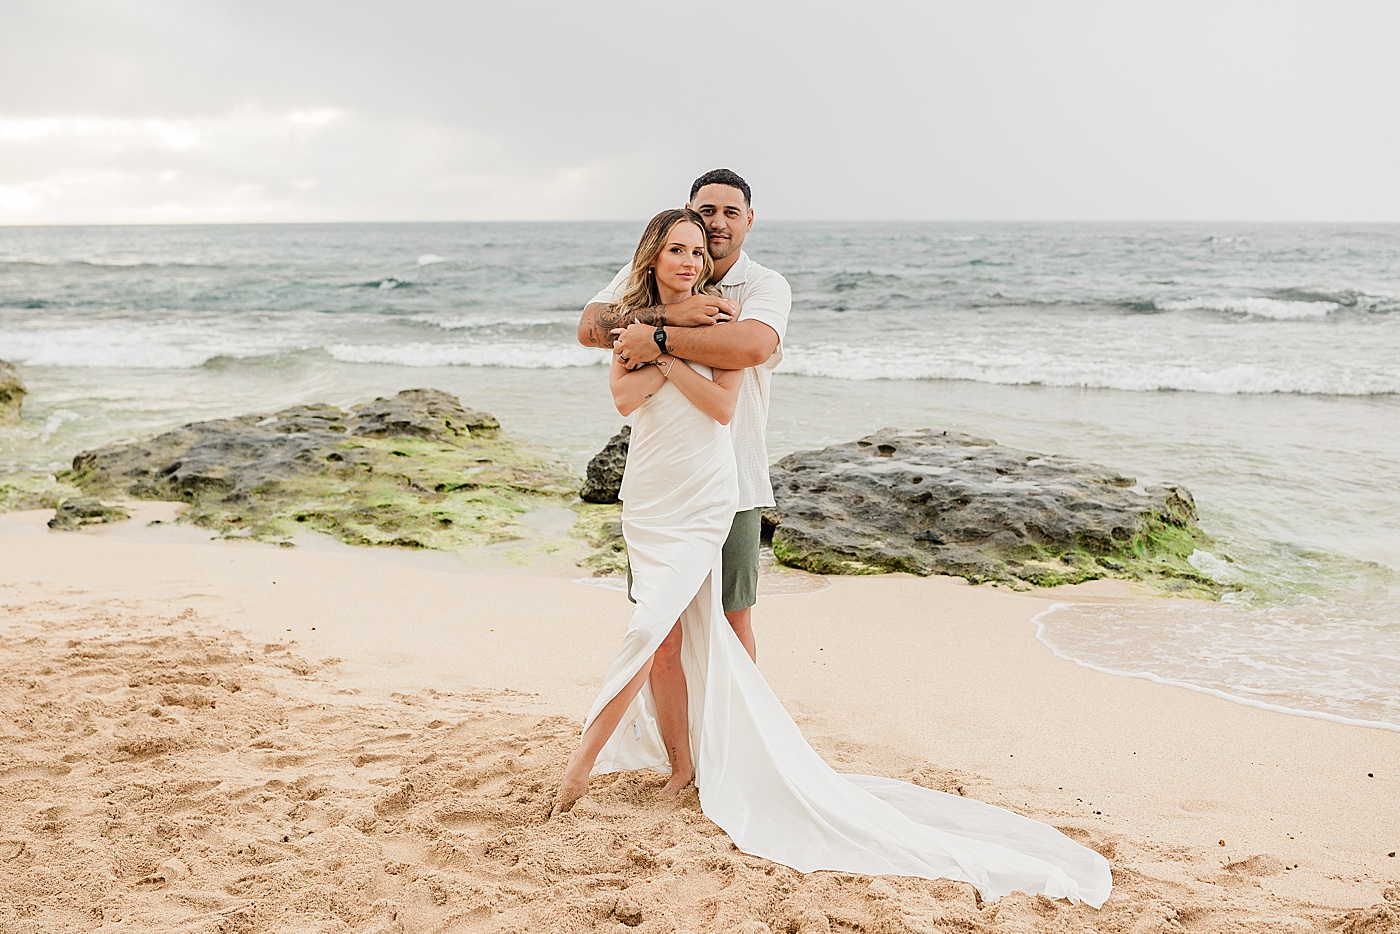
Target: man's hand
{"points": [[700, 310], [635, 344]]}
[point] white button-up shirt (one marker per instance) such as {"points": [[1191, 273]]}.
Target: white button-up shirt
{"points": [[762, 295]]}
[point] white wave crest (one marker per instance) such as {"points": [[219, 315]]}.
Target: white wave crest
{"points": [[1256, 307], [1132, 375], [126, 347], [55, 421], [515, 354], [492, 320], [1215, 568], [102, 263], [427, 259]]}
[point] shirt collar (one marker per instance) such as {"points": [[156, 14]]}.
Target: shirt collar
{"points": [[739, 272]]}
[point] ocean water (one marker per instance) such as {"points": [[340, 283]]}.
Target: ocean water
{"points": [[1258, 365]]}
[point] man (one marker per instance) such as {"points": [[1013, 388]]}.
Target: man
{"points": [[743, 330]]}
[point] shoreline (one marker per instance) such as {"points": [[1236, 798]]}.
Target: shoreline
{"points": [[968, 699], [1213, 692]]}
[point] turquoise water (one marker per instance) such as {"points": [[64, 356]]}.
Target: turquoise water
{"points": [[1259, 366]]}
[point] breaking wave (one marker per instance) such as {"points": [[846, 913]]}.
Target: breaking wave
{"points": [[1273, 308], [517, 354], [175, 348], [489, 320], [1281, 305], [1131, 375]]}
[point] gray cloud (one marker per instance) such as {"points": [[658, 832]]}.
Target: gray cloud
{"points": [[146, 111]]}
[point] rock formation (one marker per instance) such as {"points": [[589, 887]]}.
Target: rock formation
{"points": [[604, 477], [416, 469], [931, 502]]}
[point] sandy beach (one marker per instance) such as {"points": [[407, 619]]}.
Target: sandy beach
{"points": [[217, 736]]}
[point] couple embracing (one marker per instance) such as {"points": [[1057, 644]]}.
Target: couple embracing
{"points": [[696, 328]]}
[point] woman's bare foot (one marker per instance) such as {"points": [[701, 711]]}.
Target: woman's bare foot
{"points": [[677, 784], [572, 786]]}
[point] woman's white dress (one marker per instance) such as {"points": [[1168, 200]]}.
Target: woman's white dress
{"points": [[758, 778]]}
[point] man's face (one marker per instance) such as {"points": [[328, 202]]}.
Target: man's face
{"points": [[727, 218]]}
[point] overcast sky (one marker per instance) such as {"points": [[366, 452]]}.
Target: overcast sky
{"points": [[131, 111]]}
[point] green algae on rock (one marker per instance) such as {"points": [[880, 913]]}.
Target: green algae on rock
{"points": [[416, 470], [928, 502], [12, 393], [600, 525], [34, 490], [73, 514]]}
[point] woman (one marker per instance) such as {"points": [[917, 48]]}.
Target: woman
{"points": [[757, 777]]}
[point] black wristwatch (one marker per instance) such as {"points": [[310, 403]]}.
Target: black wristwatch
{"points": [[660, 335]]}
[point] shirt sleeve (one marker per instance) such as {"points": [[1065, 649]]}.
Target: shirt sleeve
{"points": [[769, 300], [614, 290]]}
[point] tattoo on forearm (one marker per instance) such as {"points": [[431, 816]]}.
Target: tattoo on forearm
{"points": [[608, 318]]}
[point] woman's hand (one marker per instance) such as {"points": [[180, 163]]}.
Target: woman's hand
{"points": [[700, 311], [635, 345]]}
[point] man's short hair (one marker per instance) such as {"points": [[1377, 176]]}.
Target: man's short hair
{"points": [[722, 177]]}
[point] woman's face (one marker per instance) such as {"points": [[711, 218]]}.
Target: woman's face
{"points": [[682, 258]]}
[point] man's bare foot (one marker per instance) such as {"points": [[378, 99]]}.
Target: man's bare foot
{"points": [[677, 784], [571, 787]]}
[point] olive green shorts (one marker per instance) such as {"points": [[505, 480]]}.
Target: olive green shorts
{"points": [[740, 556]]}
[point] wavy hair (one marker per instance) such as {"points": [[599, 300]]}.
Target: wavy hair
{"points": [[641, 291]]}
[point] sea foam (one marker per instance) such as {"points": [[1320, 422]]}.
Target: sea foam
{"points": [[125, 347], [482, 320], [1256, 307], [518, 354], [1129, 375], [1273, 658]]}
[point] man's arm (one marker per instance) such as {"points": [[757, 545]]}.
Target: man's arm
{"points": [[599, 320], [749, 341], [736, 346]]}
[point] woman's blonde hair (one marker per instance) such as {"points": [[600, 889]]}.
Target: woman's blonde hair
{"points": [[641, 291]]}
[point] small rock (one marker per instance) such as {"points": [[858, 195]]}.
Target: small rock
{"points": [[73, 514], [604, 478], [11, 393]]}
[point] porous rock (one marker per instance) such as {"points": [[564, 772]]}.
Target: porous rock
{"points": [[73, 514], [417, 469], [931, 502], [11, 393], [420, 413], [603, 480]]}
